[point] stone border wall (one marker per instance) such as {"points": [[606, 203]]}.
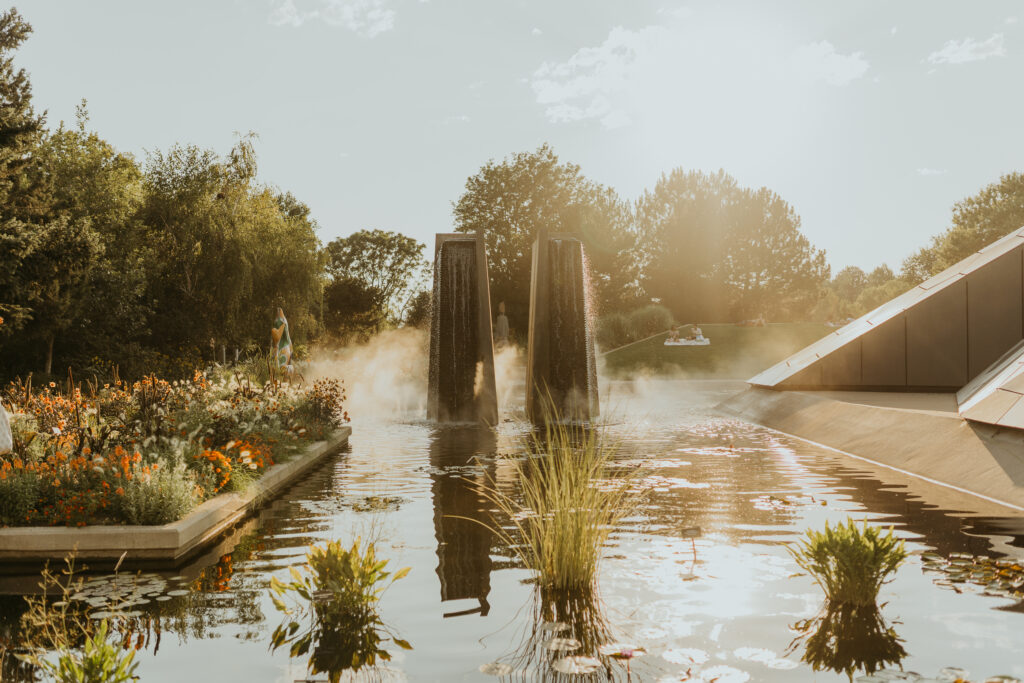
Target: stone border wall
{"points": [[169, 544]]}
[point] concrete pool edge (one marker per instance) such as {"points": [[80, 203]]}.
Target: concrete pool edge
{"points": [[983, 461], [169, 544]]}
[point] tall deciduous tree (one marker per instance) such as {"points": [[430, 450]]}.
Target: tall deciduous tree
{"points": [[379, 271], [997, 210], [510, 201], [711, 249]]}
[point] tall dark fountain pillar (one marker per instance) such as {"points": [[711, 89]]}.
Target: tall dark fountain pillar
{"points": [[461, 380], [561, 371]]}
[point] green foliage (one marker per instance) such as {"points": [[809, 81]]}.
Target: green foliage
{"points": [[418, 314], [567, 506], [165, 495], [710, 249], [850, 562], [618, 329], [335, 597], [510, 201], [99, 662], [374, 274], [62, 641]]}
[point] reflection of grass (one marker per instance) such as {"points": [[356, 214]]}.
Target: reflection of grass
{"points": [[565, 511], [735, 352], [847, 638], [574, 622], [850, 563]]}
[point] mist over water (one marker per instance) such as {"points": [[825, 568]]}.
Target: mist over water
{"points": [[384, 377]]}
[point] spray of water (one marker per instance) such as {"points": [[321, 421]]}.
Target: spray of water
{"points": [[385, 377]]}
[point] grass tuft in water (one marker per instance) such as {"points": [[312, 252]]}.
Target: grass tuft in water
{"points": [[849, 561], [566, 507]]}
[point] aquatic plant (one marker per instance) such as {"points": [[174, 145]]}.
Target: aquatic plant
{"points": [[849, 561], [566, 507], [335, 596], [61, 640]]}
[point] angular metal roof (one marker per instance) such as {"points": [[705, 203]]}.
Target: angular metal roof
{"points": [[801, 367], [996, 396]]}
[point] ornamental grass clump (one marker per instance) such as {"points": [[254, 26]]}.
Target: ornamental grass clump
{"points": [[566, 507], [850, 562]]}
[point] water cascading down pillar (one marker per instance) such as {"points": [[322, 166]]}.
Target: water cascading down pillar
{"points": [[561, 371], [461, 380]]}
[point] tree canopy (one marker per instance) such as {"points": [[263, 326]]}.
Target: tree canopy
{"points": [[509, 202], [710, 249]]}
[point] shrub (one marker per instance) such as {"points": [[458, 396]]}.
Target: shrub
{"points": [[649, 320], [850, 563], [164, 495], [19, 493], [618, 329], [613, 331], [567, 506]]}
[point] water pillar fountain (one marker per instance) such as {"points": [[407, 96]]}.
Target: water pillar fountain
{"points": [[461, 380], [561, 370]]}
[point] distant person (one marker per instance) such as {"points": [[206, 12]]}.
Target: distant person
{"points": [[673, 333], [696, 334], [282, 342], [501, 327]]}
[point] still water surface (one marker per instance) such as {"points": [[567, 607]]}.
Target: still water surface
{"points": [[727, 615]]}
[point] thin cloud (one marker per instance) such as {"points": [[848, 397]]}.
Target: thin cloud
{"points": [[821, 62], [931, 171], [536, 32], [969, 50], [367, 18], [634, 75], [1010, 20]]}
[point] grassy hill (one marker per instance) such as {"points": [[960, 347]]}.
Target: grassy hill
{"points": [[735, 352]]}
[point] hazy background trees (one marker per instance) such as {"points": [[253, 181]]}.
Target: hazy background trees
{"points": [[106, 260]]}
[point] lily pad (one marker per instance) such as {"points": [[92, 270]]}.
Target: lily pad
{"points": [[563, 644], [496, 669], [577, 665], [622, 650]]}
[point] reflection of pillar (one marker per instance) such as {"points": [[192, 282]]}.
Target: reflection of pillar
{"points": [[463, 545], [561, 371], [461, 382]]}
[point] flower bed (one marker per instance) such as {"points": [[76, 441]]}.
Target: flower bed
{"points": [[150, 452]]}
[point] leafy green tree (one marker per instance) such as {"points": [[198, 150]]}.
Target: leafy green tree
{"points": [[510, 201], [100, 190], [231, 251], [996, 211], [849, 282], [710, 249], [389, 267], [418, 314]]}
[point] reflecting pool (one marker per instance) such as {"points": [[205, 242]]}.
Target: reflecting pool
{"points": [[729, 605]]}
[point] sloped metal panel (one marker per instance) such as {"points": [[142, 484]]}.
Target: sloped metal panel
{"points": [[993, 311], [1014, 417], [993, 408], [882, 363], [936, 352], [841, 368], [937, 339]]}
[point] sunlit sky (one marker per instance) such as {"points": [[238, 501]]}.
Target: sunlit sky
{"points": [[871, 118]]}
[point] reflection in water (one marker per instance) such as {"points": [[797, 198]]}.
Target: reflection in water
{"points": [[463, 542], [561, 624], [848, 638]]}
